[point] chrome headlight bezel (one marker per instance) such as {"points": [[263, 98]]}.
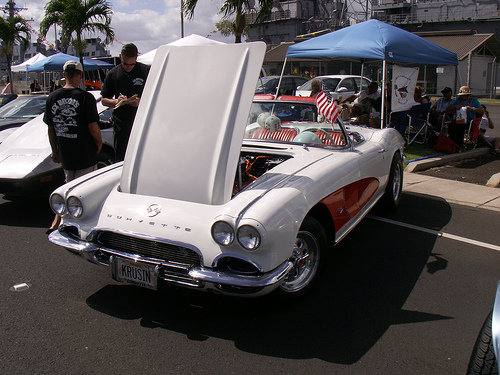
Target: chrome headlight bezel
{"points": [[57, 204], [249, 237], [74, 206], [222, 233]]}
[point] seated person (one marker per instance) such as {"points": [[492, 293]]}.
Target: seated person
{"points": [[438, 109], [315, 88], [365, 98], [419, 97], [358, 117], [472, 106], [375, 113], [491, 142]]}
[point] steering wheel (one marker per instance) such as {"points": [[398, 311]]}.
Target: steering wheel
{"points": [[328, 136]]}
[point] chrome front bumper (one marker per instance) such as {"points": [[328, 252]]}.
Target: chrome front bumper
{"points": [[187, 276]]}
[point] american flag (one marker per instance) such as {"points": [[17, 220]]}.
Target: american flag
{"points": [[326, 108]]}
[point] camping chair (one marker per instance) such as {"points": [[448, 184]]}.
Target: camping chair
{"points": [[418, 119], [472, 136]]}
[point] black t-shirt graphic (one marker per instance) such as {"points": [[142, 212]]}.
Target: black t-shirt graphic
{"points": [[70, 111]]}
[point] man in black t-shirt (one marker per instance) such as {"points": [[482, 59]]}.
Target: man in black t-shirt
{"points": [[72, 119], [122, 90]]}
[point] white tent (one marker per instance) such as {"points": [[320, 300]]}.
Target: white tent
{"points": [[23, 66], [191, 40]]}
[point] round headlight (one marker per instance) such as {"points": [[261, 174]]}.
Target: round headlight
{"points": [[222, 233], [57, 204], [75, 207], [248, 237]]}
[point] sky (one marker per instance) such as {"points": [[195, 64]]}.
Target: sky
{"points": [[146, 23]]}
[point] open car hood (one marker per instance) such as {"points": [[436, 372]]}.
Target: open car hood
{"points": [[190, 123]]}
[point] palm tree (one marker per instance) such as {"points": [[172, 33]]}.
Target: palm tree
{"points": [[12, 30], [230, 7], [75, 17]]}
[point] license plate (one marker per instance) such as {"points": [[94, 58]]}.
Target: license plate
{"points": [[136, 273]]}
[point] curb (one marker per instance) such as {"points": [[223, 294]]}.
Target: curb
{"points": [[422, 165]]}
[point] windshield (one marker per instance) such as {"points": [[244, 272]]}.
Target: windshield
{"points": [[24, 106], [267, 85], [295, 122]]}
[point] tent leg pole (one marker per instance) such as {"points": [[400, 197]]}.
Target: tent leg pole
{"points": [[281, 76], [382, 119]]}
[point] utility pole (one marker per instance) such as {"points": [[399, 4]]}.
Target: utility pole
{"points": [[11, 9]]}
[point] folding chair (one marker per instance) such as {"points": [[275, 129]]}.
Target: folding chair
{"points": [[418, 123], [471, 137]]}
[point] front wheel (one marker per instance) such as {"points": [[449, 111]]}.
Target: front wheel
{"points": [[482, 361], [394, 187], [308, 251], [104, 158]]}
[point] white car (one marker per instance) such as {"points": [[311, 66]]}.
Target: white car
{"points": [[338, 86], [26, 167], [221, 194]]}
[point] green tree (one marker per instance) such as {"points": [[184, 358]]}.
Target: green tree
{"points": [[236, 8], [76, 17], [12, 30]]}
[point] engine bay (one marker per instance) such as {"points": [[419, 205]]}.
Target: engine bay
{"points": [[252, 165]]}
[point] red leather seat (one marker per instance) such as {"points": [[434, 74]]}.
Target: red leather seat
{"points": [[337, 138], [284, 135]]}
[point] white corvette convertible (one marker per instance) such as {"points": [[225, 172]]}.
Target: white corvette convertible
{"points": [[221, 194]]}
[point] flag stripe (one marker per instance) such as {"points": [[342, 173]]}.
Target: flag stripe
{"points": [[325, 108]]}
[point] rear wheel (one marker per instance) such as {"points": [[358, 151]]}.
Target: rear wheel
{"points": [[394, 187], [308, 251]]}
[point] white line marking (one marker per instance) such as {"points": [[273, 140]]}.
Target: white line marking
{"points": [[437, 233]]}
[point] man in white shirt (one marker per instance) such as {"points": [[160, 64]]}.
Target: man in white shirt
{"points": [[365, 98]]}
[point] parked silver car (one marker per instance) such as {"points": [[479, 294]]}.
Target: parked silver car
{"points": [[269, 84], [339, 86]]}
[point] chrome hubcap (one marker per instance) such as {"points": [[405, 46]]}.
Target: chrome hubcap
{"points": [[306, 259], [396, 183]]}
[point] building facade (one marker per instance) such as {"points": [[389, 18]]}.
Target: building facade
{"points": [[290, 18], [483, 16]]}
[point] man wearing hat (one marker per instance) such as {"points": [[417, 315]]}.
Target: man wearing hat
{"points": [[72, 119], [439, 108], [473, 108]]}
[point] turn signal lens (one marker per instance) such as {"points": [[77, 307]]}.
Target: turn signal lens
{"points": [[57, 204], [222, 233], [248, 237], [75, 207]]}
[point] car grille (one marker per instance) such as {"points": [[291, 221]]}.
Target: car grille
{"points": [[149, 248]]}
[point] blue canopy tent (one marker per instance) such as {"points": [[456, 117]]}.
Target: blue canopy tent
{"points": [[56, 63], [373, 40], [87, 61]]}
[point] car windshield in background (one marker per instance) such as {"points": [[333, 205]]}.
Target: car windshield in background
{"points": [[292, 122], [329, 84], [266, 85], [24, 106]]}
